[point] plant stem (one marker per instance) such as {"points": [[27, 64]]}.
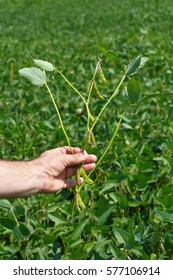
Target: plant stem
{"points": [[107, 148], [59, 116], [68, 82], [112, 139], [14, 216], [109, 100], [93, 78], [90, 90]]}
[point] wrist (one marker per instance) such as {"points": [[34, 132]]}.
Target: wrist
{"points": [[34, 178]]}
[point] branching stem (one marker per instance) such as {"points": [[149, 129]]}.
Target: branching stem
{"points": [[108, 147], [59, 116], [109, 100]]}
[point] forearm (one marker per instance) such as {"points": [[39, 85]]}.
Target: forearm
{"points": [[18, 179]]}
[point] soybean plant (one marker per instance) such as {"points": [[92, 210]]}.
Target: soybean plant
{"points": [[37, 75]]}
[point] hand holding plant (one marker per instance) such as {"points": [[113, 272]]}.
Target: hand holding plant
{"points": [[47, 174], [59, 164], [37, 76]]}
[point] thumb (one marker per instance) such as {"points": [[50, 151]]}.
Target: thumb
{"points": [[73, 160]]}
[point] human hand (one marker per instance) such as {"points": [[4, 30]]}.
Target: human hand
{"points": [[46, 174], [57, 165]]}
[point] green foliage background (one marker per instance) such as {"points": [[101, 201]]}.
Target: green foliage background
{"points": [[130, 206]]}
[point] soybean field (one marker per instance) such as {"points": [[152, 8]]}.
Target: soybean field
{"points": [[128, 212]]}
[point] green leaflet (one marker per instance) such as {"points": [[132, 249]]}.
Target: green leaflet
{"points": [[34, 75], [55, 219], [111, 56], [4, 203], [135, 65], [17, 233], [133, 91], [121, 235], [78, 230], [8, 223], [104, 216], [44, 65], [163, 216]]}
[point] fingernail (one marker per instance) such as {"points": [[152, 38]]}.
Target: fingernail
{"points": [[83, 155], [81, 180], [95, 157]]}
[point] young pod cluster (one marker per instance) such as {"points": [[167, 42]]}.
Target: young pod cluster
{"points": [[102, 76], [81, 173], [91, 116], [90, 139], [89, 86], [78, 201], [96, 91]]}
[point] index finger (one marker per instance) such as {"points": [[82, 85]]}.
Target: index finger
{"points": [[73, 150]]}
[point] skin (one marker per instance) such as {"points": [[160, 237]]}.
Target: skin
{"points": [[52, 171]]}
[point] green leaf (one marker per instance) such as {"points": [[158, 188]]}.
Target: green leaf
{"points": [[100, 244], [8, 223], [34, 75], [137, 251], [8, 249], [155, 95], [123, 201], [136, 64], [76, 243], [114, 197], [144, 59], [116, 252], [133, 91], [171, 167], [23, 229], [55, 219], [170, 114], [121, 235], [108, 185], [4, 203], [111, 56], [49, 239], [102, 219], [89, 246], [77, 232], [52, 208], [17, 233], [44, 65], [19, 210], [164, 217], [133, 65]]}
